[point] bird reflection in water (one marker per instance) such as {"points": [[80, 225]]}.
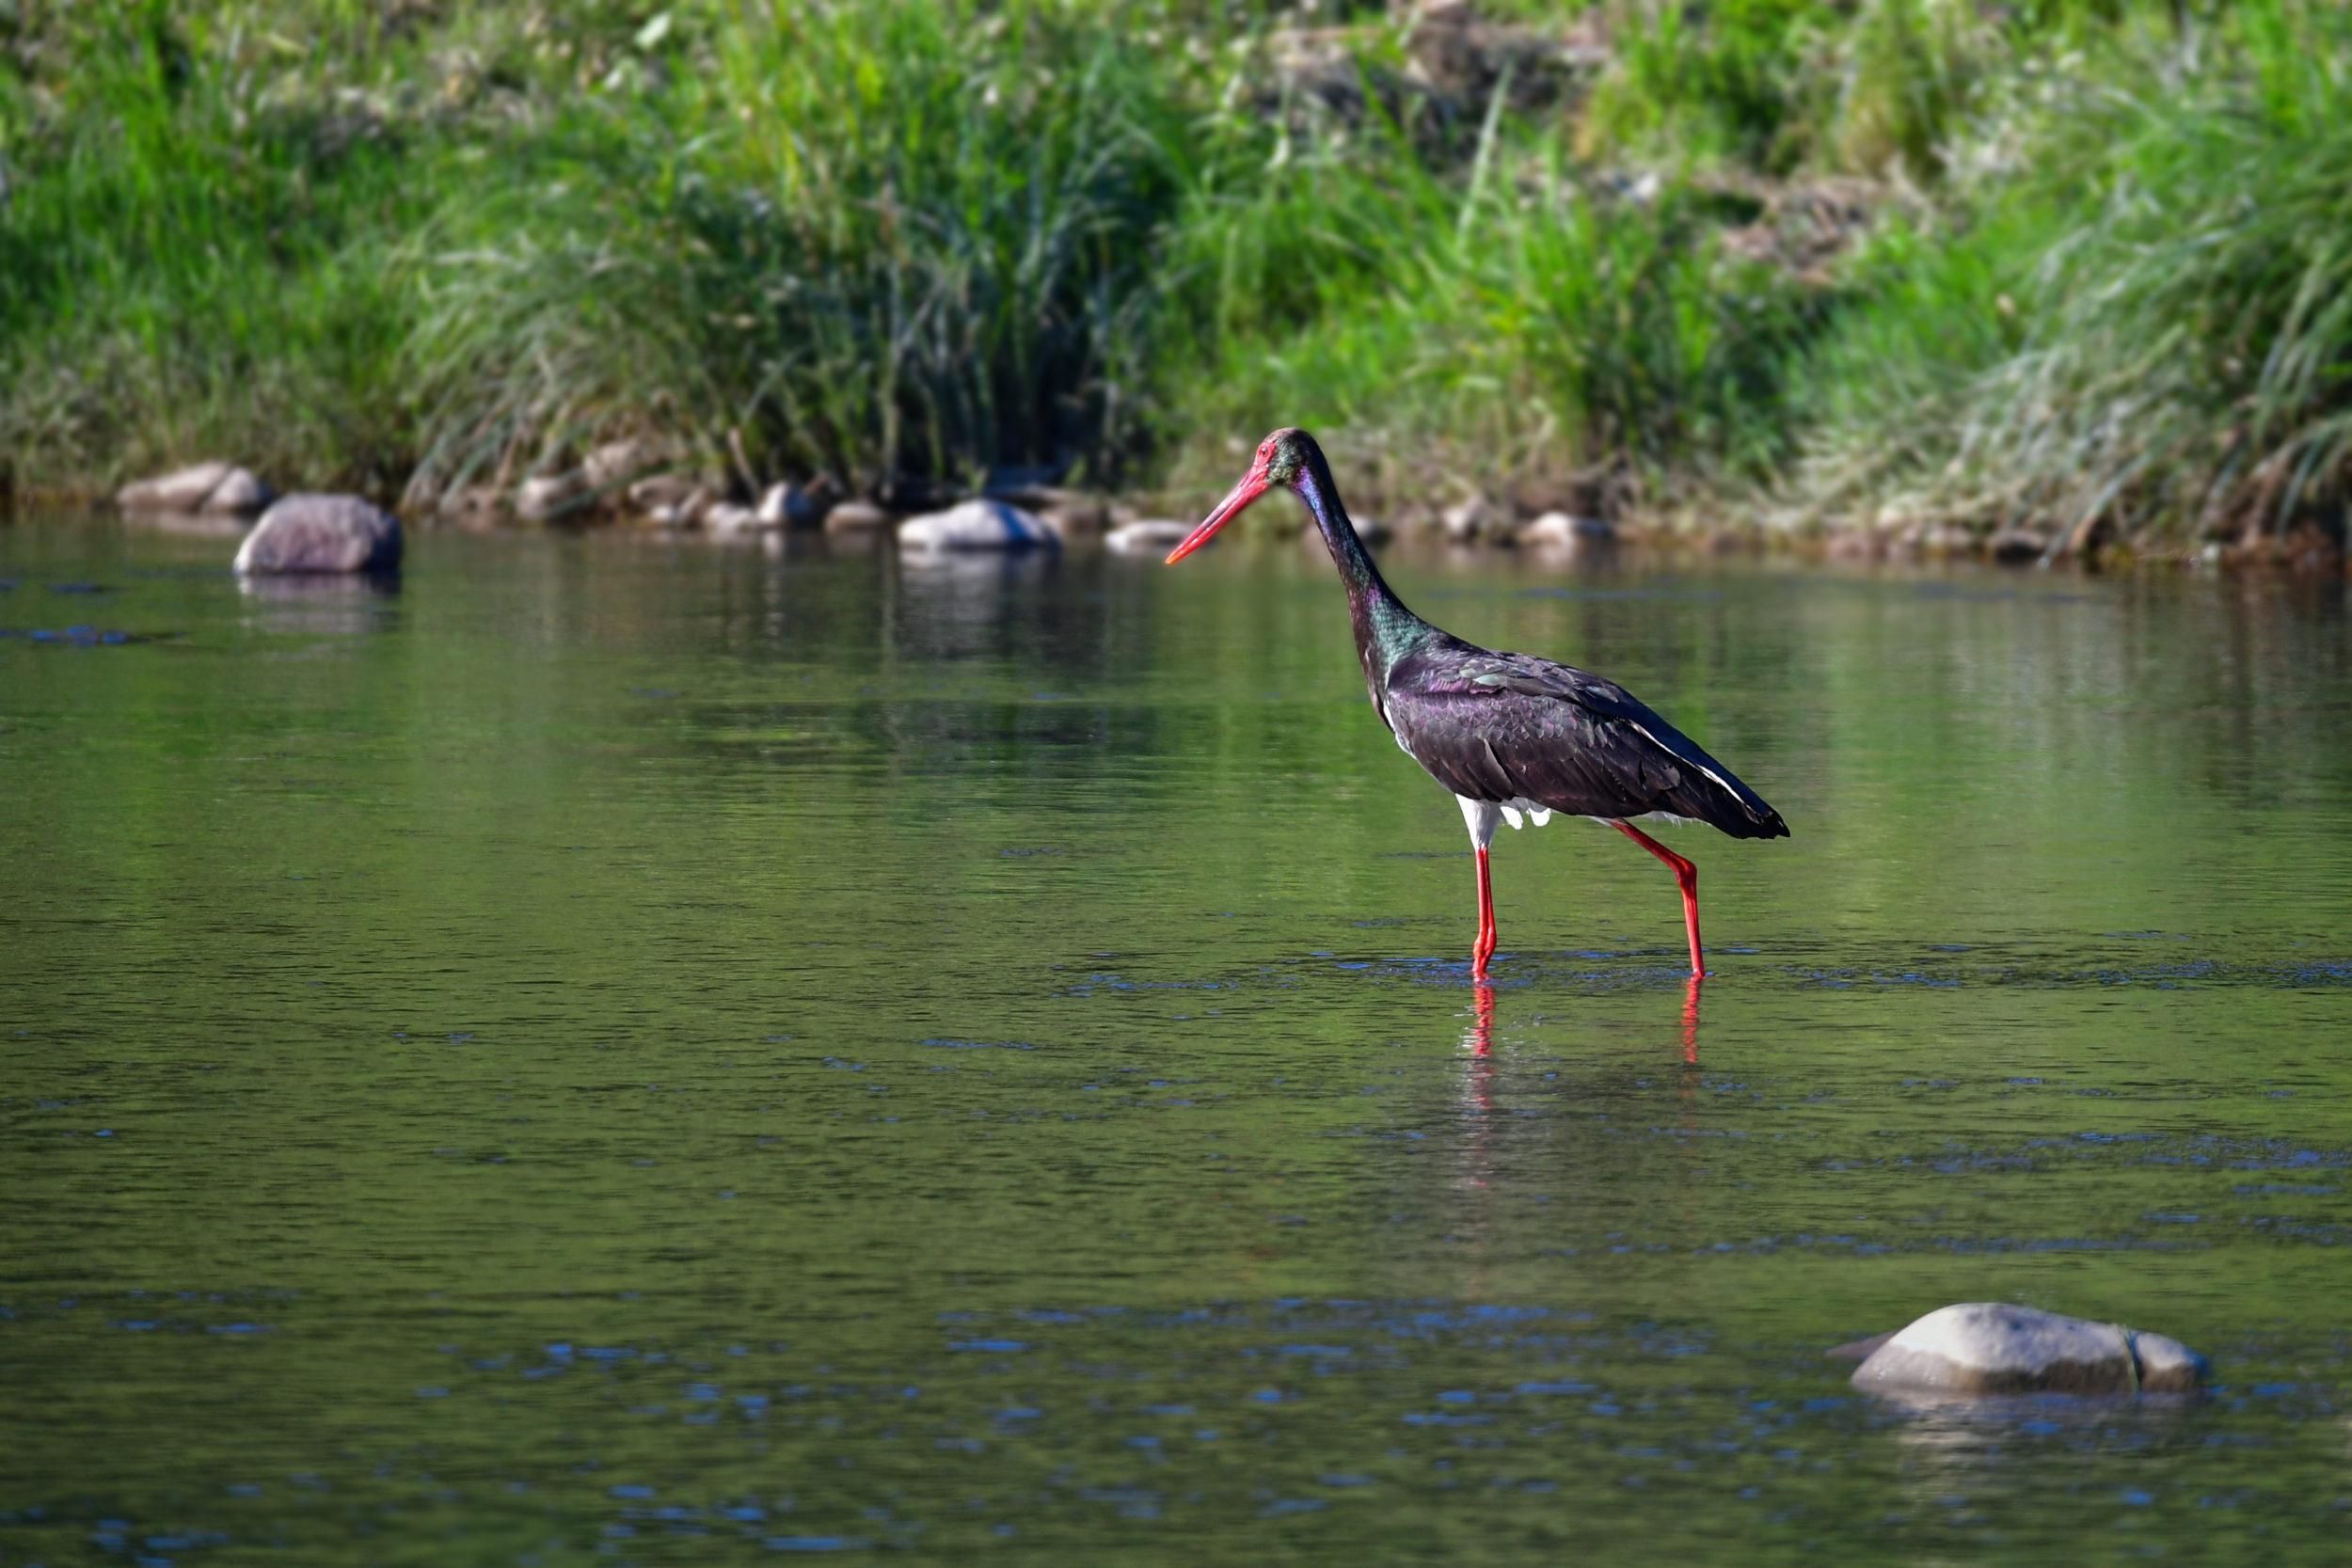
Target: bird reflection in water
{"points": [[1478, 1075], [1479, 1041]]}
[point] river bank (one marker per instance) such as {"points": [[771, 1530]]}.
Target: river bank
{"points": [[1903, 276], [791, 518]]}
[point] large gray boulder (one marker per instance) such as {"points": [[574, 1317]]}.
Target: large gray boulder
{"points": [[322, 534], [1981, 1348], [214, 487]]}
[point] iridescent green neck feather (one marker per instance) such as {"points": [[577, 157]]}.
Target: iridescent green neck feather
{"points": [[1385, 630]]}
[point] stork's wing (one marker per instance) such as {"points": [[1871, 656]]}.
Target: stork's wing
{"points": [[1498, 726]]}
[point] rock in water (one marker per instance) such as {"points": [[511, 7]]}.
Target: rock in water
{"points": [[1993, 1348], [977, 525], [322, 534], [1150, 537], [205, 487]]}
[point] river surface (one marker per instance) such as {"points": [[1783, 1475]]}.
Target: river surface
{"points": [[628, 1052]]}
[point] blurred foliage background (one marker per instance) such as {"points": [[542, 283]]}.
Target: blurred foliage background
{"points": [[2082, 263]]}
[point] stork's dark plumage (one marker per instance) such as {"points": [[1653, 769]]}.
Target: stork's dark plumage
{"points": [[1510, 734]]}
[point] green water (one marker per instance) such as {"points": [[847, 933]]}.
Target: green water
{"points": [[619, 1052]]}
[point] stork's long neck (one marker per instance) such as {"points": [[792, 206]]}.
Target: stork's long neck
{"points": [[1385, 630]]}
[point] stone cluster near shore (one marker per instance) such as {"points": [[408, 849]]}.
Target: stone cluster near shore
{"points": [[294, 534], [632, 482], [639, 482]]}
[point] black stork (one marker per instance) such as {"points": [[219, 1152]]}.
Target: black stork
{"points": [[1510, 734]]}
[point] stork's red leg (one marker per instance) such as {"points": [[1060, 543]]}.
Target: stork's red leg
{"points": [[1485, 948], [1691, 1019], [1686, 875]]}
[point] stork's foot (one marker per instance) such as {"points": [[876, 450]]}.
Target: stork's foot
{"points": [[1485, 948]]}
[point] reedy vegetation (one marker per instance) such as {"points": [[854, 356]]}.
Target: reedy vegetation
{"points": [[411, 246]]}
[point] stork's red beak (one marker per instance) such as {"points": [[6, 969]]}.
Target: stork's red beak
{"points": [[1253, 484]]}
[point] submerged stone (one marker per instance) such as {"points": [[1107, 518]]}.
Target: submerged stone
{"points": [[1985, 1348], [322, 534]]}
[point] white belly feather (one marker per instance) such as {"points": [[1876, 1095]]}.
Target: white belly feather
{"points": [[1483, 817]]}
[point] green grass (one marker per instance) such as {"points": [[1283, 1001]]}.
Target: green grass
{"points": [[900, 241], [412, 248], [183, 267], [2150, 332], [1521, 327]]}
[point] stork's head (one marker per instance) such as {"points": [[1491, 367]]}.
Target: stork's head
{"points": [[1282, 458]]}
